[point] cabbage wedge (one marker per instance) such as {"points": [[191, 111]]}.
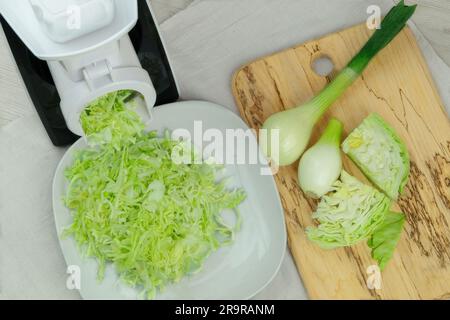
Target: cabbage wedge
{"points": [[380, 154]]}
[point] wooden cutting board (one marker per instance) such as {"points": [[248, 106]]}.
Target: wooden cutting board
{"points": [[399, 87]]}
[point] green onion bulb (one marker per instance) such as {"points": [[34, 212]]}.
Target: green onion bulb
{"points": [[321, 165]]}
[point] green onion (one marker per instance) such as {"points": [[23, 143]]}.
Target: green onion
{"points": [[294, 126], [321, 165]]}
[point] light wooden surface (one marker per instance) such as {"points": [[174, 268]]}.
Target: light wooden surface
{"points": [[398, 86], [432, 18]]}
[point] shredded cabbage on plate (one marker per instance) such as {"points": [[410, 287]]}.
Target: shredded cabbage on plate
{"points": [[380, 154], [349, 214], [132, 206]]}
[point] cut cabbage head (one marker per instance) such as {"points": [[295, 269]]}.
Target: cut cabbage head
{"points": [[349, 214], [380, 154]]}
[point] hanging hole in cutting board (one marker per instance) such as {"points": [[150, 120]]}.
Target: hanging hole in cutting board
{"points": [[323, 65]]}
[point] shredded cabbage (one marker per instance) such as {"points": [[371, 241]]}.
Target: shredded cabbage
{"points": [[132, 206], [110, 120], [380, 154], [349, 214]]}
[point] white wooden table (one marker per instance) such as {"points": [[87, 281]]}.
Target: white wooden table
{"points": [[432, 18]]}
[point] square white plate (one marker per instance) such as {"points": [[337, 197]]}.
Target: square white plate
{"points": [[238, 271]]}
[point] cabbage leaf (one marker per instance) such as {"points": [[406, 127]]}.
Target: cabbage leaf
{"points": [[385, 238]]}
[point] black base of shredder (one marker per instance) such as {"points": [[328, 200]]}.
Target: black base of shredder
{"points": [[45, 97]]}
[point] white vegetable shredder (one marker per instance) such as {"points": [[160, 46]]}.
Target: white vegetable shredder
{"points": [[70, 52]]}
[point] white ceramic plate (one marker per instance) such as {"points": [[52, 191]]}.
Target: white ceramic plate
{"points": [[238, 271]]}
